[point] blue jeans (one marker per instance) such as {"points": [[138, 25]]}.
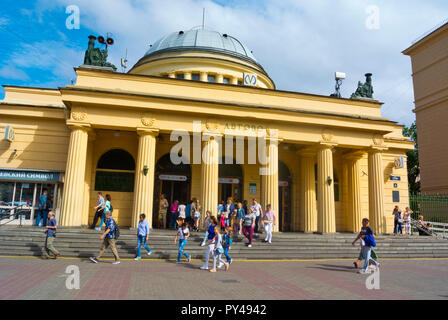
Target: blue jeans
{"points": [[257, 219], [174, 217], [226, 253], [102, 221], [205, 237], [182, 243], [42, 214], [141, 240], [366, 251]]}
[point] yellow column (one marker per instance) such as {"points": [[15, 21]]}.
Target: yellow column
{"points": [[326, 222], [187, 75], [308, 192], [72, 201], [88, 180], [354, 219], [209, 176], [270, 180], [144, 183], [219, 78], [172, 75], [376, 190]]}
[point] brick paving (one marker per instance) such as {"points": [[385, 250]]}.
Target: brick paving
{"points": [[32, 278]]}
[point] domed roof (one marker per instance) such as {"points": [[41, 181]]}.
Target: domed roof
{"points": [[204, 40]]}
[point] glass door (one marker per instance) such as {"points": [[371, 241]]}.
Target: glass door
{"points": [[24, 198]]}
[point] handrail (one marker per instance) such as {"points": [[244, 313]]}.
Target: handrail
{"points": [[428, 230], [16, 210]]}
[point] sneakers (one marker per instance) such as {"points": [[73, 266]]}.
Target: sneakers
{"points": [[149, 253], [230, 261], [189, 259], [249, 246], [98, 229], [204, 268], [202, 244], [220, 265], [93, 259], [362, 271], [137, 258], [116, 262]]}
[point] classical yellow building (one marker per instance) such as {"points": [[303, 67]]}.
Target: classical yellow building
{"points": [[331, 160], [429, 56]]}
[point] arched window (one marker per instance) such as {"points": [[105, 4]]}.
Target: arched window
{"points": [[115, 171]]}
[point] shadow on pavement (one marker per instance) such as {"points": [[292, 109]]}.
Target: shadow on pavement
{"points": [[332, 267]]}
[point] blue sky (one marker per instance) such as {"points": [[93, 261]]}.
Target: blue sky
{"points": [[300, 43]]}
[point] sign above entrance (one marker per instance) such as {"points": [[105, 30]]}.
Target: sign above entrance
{"points": [[169, 177], [283, 183], [229, 180], [28, 175]]}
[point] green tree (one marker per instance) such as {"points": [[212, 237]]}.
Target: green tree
{"points": [[413, 163]]}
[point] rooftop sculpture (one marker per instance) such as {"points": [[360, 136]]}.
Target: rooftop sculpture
{"points": [[364, 90], [95, 56]]}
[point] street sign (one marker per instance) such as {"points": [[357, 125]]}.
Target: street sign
{"points": [[170, 177]]}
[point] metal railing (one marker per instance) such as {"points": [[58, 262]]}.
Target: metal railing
{"points": [[13, 212], [433, 207], [429, 228]]}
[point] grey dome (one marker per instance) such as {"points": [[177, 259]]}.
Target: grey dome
{"points": [[204, 40]]}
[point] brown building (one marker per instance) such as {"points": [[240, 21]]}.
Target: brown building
{"points": [[429, 57]]}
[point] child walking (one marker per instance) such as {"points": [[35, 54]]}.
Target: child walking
{"points": [[142, 236], [367, 241], [217, 253], [227, 244], [183, 233]]}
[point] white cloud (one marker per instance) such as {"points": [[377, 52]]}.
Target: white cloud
{"points": [[299, 43], [13, 73], [54, 56]]}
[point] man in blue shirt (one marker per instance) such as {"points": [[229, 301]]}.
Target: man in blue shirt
{"points": [[42, 214], [109, 239], [51, 235]]}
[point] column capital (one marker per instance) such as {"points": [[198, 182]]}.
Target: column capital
{"points": [[210, 135], [326, 145], [145, 132], [375, 149], [74, 125], [354, 155]]}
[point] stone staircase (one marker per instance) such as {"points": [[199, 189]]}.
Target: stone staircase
{"points": [[28, 241]]}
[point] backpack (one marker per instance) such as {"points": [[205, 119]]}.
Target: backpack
{"points": [[117, 230], [111, 208], [369, 240]]}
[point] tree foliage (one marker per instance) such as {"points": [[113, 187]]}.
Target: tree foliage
{"points": [[413, 163]]}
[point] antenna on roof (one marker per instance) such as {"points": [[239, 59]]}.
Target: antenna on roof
{"points": [[203, 18]]}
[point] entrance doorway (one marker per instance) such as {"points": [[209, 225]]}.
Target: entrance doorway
{"points": [[284, 197], [174, 181], [230, 182]]}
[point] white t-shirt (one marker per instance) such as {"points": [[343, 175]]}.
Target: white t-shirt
{"points": [[181, 210], [256, 209], [183, 233]]}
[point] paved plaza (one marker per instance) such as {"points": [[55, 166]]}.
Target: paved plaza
{"points": [[33, 278]]}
